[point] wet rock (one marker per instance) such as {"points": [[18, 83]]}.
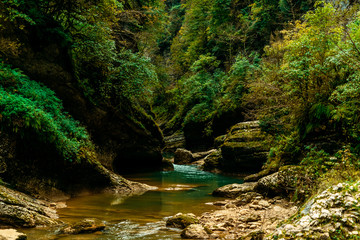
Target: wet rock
{"points": [[20, 210], [84, 226], [181, 220], [212, 161], [234, 190], [183, 156], [11, 234], [200, 155], [195, 231], [167, 165]]}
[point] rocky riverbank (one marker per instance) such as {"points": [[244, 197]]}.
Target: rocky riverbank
{"points": [[331, 214]]}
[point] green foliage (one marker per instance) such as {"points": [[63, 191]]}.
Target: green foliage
{"points": [[26, 105], [318, 160]]}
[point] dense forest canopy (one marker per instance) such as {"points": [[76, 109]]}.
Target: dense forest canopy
{"points": [[197, 65]]}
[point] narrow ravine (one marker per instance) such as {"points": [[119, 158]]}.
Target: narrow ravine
{"points": [[186, 189]]}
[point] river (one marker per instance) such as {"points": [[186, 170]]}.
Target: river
{"points": [[186, 189]]}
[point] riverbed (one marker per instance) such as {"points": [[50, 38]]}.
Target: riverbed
{"points": [[186, 189]]}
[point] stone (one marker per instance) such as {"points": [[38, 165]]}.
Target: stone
{"points": [[200, 155], [167, 165], [181, 220], [11, 234], [246, 198], [331, 210], [250, 218], [280, 182], [195, 231], [256, 176], [183, 156], [84, 226], [243, 148], [20, 210], [234, 190], [212, 161]]}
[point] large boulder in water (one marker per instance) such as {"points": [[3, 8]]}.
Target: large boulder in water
{"points": [[183, 156], [181, 220], [84, 226]]}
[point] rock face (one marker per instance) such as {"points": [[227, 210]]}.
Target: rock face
{"points": [[28, 168], [243, 148], [122, 143], [181, 220], [234, 190], [11, 234], [20, 210], [332, 214], [173, 142]]}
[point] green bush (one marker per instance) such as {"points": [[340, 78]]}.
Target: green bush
{"points": [[28, 105]]}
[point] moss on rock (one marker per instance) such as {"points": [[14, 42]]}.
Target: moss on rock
{"points": [[181, 220]]}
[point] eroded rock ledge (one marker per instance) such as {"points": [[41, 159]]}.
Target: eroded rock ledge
{"points": [[20, 210]]}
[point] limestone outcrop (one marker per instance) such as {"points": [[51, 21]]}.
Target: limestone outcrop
{"points": [[332, 214], [243, 148]]}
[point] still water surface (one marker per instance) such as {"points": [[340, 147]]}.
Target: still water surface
{"points": [[186, 189]]}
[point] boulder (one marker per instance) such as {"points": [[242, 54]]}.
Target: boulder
{"points": [[11, 234], [234, 190], [84, 226], [181, 220], [243, 149], [183, 156], [195, 231], [200, 155], [212, 161], [281, 182]]}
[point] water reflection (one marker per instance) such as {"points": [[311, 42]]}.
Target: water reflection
{"points": [[186, 189]]}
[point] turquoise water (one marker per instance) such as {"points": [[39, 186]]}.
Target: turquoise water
{"points": [[186, 189]]}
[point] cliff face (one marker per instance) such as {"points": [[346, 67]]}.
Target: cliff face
{"points": [[122, 143]]}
